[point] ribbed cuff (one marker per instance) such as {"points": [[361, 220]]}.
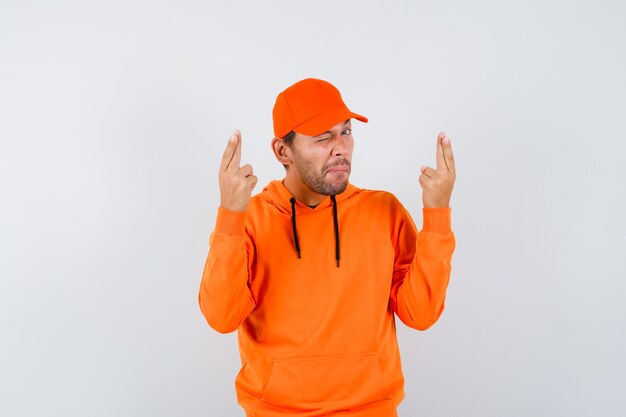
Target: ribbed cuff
{"points": [[230, 222], [437, 220]]}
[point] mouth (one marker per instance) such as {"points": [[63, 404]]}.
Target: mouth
{"points": [[338, 169]]}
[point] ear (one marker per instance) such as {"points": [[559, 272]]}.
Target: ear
{"points": [[281, 151]]}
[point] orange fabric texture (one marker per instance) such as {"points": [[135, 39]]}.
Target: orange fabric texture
{"points": [[316, 339], [309, 107]]}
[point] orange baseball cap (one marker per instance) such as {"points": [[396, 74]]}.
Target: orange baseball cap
{"points": [[310, 107]]}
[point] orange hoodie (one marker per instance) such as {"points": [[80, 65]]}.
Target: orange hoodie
{"points": [[315, 313]]}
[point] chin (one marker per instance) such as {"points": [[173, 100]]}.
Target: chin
{"points": [[337, 187]]}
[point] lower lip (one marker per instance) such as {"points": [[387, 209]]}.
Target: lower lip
{"points": [[337, 171]]}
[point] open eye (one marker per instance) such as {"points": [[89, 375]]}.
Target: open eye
{"points": [[346, 132]]}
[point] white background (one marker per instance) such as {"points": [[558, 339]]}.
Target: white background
{"points": [[113, 118]]}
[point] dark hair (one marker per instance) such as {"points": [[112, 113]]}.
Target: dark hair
{"points": [[288, 138]]}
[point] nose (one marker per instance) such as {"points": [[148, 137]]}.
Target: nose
{"points": [[340, 147]]}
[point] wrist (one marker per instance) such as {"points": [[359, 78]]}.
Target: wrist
{"points": [[230, 222]]}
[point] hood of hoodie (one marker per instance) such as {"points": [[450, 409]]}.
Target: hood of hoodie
{"points": [[277, 194]]}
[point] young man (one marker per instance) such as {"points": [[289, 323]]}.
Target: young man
{"points": [[311, 270]]}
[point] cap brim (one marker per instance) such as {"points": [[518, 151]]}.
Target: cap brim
{"points": [[325, 121]]}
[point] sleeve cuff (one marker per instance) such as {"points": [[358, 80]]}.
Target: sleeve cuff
{"points": [[437, 220], [230, 222]]}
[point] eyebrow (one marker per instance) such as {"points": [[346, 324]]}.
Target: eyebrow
{"points": [[328, 131]]}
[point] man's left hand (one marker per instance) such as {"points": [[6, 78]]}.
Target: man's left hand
{"points": [[437, 183]]}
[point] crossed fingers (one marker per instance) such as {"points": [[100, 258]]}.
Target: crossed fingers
{"points": [[236, 183], [445, 157], [437, 183], [232, 153]]}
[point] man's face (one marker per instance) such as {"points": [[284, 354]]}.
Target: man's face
{"points": [[323, 162]]}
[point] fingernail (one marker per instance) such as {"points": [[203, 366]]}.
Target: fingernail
{"points": [[446, 140], [233, 138], [422, 168]]}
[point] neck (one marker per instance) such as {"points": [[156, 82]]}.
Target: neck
{"points": [[302, 192]]}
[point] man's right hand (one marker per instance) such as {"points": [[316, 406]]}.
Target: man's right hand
{"points": [[236, 183]]}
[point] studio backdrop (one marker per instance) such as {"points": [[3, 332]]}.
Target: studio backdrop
{"points": [[113, 119]]}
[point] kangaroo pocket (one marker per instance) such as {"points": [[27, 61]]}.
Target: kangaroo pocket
{"points": [[337, 383]]}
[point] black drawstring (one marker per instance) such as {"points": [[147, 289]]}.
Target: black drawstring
{"points": [[293, 224], [336, 224], [292, 200]]}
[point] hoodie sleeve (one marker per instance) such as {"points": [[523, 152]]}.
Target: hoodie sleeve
{"points": [[422, 267], [225, 298]]}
